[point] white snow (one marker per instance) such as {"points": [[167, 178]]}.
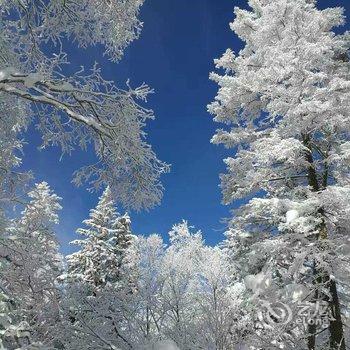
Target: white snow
{"points": [[6, 72], [165, 345], [257, 282], [296, 291], [291, 215], [32, 79]]}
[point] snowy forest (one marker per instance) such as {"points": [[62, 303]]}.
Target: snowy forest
{"points": [[281, 277]]}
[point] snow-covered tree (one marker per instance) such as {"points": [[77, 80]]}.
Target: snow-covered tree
{"points": [[180, 271], [81, 109], [223, 320], [285, 98], [104, 249], [93, 321], [184, 294], [12, 121], [146, 313], [99, 281], [30, 264], [201, 304]]}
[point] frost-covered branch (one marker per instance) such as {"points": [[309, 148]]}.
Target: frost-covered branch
{"points": [[82, 109]]}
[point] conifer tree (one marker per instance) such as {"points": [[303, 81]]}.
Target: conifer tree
{"points": [[104, 248], [30, 265], [99, 280]]}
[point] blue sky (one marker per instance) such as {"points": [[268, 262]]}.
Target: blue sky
{"points": [[174, 55]]}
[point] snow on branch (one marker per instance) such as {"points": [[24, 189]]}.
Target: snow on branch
{"points": [[98, 113]]}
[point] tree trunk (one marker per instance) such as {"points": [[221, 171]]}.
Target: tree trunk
{"points": [[311, 339], [336, 339]]}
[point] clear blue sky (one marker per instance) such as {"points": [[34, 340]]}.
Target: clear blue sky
{"points": [[174, 55]]}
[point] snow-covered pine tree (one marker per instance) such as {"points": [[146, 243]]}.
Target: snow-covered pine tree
{"points": [[99, 280], [124, 237], [30, 264], [286, 97], [104, 250]]}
